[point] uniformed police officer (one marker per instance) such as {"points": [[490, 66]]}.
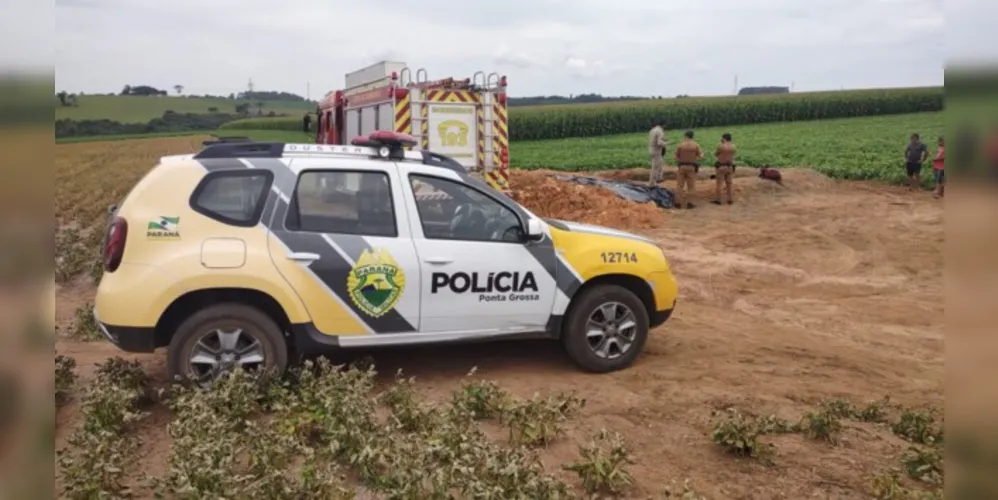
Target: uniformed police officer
{"points": [[725, 167], [688, 155], [656, 152]]}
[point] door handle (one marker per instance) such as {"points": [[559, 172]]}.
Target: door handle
{"points": [[438, 261], [303, 256]]}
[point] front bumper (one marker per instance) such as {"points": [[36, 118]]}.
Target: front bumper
{"points": [[657, 318], [127, 338]]}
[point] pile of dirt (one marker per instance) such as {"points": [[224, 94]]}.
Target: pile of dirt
{"points": [[747, 184], [548, 197]]}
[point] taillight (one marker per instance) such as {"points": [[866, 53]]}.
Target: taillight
{"points": [[114, 244]]}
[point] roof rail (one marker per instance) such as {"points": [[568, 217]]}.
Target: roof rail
{"points": [[242, 150], [286, 150]]}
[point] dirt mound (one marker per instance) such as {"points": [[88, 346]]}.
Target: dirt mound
{"points": [[747, 184], [548, 197]]}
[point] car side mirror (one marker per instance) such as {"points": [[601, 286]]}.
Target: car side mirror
{"points": [[535, 231]]}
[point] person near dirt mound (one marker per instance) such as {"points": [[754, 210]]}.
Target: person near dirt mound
{"points": [[937, 169], [688, 155], [914, 156], [725, 168], [656, 152]]}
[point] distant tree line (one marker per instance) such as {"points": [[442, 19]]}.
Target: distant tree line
{"points": [[763, 90], [572, 99], [171, 121], [268, 95], [142, 90]]}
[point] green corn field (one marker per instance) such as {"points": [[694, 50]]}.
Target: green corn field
{"points": [[593, 120], [560, 122]]}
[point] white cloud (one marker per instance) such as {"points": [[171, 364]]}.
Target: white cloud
{"points": [[634, 47]]}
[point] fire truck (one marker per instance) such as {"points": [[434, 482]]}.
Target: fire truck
{"points": [[462, 119]]}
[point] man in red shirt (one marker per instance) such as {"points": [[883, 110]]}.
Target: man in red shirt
{"points": [[937, 168]]}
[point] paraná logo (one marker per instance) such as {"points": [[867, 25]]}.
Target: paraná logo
{"points": [[164, 227]]}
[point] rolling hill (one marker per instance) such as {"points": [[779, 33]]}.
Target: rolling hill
{"points": [[141, 109]]}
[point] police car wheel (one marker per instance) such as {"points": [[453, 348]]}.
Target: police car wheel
{"points": [[217, 339], [606, 328]]}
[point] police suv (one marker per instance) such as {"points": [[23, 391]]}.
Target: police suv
{"points": [[256, 253]]}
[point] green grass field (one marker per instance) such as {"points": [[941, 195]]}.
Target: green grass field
{"points": [[850, 148], [141, 109]]}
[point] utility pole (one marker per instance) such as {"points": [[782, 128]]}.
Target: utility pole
{"points": [[249, 86], [308, 91], [734, 91]]}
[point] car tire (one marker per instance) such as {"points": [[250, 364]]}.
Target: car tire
{"points": [[580, 345], [223, 320]]}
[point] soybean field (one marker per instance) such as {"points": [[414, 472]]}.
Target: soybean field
{"points": [[851, 148]]}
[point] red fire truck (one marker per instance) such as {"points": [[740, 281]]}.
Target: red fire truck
{"points": [[463, 119]]}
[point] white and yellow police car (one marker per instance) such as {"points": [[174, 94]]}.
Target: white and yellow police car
{"points": [[257, 253]]}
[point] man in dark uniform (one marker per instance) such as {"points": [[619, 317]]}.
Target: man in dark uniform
{"points": [[306, 122], [914, 156], [688, 155]]}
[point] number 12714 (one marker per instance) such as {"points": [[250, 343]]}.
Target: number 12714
{"points": [[619, 257]]}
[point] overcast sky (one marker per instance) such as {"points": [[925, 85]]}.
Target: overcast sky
{"points": [[612, 47]]}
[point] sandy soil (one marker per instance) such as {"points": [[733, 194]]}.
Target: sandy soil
{"points": [[794, 294]]}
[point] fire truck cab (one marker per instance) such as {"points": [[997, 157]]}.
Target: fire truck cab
{"points": [[462, 119]]}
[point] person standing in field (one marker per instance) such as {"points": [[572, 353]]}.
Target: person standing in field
{"points": [[938, 169], [688, 155], [914, 156], [725, 167], [656, 152]]}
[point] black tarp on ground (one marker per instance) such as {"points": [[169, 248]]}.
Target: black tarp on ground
{"points": [[637, 193]]}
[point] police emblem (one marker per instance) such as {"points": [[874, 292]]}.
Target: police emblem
{"points": [[376, 282]]}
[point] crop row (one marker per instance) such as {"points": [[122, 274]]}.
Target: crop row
{"points": [[592, 120]]}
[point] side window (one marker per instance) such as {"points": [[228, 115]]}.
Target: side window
{"points": [[343, 202], [450, 210], [234, 197]]}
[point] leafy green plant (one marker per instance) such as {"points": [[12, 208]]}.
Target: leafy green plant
{"points": [[117, 371], [538, 421], [77, 250], [602, 464], [772, 424], [739, 435], [65, 378], [483, 398], [406, 409], [211, 430], [92, 465], [839, 408], [822, 425], [85, 326], [924, 464], [888, 486], [918, 427], [874, 411]]}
